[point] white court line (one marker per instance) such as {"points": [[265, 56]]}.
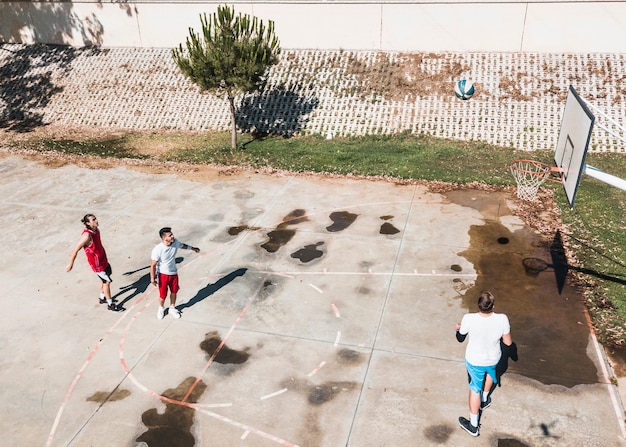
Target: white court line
{"points": [[316, 288], [336, 310], [229, 404], [277, 393], [337, 338], [317, 368]]}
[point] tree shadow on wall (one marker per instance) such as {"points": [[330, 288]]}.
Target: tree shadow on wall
{"points": [[54, 22], [28, 71], [27, 81], [277, 111]]}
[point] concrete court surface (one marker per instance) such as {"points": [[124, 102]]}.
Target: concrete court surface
{"points": [[319, 312]]}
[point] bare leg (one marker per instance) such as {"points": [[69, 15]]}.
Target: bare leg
{"points": [[105, 288], [474, 402], [488, 383], [173, 299]]}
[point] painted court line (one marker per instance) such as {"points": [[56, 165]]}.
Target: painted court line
{"points": [[317, 368], [274, 394], [337, 338], [316, 288]]}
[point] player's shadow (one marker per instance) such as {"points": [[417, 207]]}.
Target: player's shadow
{"points": [[138, 287], [560, 266], [210, 289], [508, 353]]}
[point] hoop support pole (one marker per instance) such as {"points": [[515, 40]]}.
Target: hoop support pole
{"points": [[605, 177]]}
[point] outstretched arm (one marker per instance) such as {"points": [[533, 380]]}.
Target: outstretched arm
{"points": [[189, 247], [85, 239]]}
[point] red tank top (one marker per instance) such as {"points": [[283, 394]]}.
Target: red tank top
{"points": [[96, 256]]}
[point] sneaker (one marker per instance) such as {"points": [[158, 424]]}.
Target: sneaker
{"points": [[467, 426], [115, 308], [102, 300], [486, 404], [160, 313], [174, 312]]}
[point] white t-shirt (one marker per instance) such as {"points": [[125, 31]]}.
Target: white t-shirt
{"points": [[483, 347], [166, 257]]}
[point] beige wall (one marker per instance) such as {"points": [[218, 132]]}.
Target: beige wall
{"points": [[573, 26]]}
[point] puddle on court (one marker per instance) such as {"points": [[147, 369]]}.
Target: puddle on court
{"points": [[308, 253], [282, 235], [388, 227], [510, 442], [225, 355], [341, 220], [438, 434], [549, 328], [173, 427], [234, 231], [106, 396]]}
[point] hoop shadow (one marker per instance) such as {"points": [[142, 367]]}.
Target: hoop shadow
{"points": [[534, 266], [210, 289], [138, 287]]}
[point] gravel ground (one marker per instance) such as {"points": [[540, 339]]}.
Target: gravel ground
{"points": [[518, 103]]}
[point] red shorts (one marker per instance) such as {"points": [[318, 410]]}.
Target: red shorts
{"points": [[165, 282]]}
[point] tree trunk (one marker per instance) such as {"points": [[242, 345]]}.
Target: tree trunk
{"points": [[233, 127]]}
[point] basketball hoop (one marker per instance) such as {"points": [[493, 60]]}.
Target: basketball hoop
{"points": [[534, 266], [529, 175]]}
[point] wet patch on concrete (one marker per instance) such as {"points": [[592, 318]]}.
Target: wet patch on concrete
{"points": [[234, 231], [439, 434], [308, 253], [173, 427], [322, 393], [511, 442], [213, 346], [349, 357], [106, 396], [456, 268], [388, 228], [341, 221], [278, 238], [549, 327], [282, 235]]}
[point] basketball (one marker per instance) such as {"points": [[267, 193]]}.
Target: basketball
{"points": [[464, 89]]}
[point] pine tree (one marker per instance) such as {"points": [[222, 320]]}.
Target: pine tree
{"points": [[231, 56]]}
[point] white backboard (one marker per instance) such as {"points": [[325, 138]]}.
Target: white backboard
{"points": [[573, 142]]}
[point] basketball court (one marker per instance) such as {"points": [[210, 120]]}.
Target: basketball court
{"points": [[319, 312]]}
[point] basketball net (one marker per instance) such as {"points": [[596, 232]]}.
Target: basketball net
{"points": [[529, 175]]}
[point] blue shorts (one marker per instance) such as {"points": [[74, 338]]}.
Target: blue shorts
{"points": [[477, 376]]}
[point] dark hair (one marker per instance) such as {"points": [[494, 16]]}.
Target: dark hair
{"points": [[85, 219], [163, 231], [486, 301]]}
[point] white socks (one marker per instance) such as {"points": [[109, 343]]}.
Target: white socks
{"points": [[474, 419]]}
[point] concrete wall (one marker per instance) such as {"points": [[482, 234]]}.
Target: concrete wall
{"points": [[514, 26]]}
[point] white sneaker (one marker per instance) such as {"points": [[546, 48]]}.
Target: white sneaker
{"points": [[160, 313], [174, 312]]}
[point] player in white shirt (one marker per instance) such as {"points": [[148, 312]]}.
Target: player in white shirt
{"points": [[485, 329], [163, 267]]}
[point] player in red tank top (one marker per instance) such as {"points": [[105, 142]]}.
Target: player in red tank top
{"points": [[97, 257]]}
